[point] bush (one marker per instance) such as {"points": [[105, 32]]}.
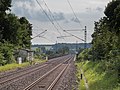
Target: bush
{"points": [[2, 62], [6, 53], [85, 55]]}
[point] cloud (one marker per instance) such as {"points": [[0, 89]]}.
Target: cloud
{"points": [[99, 9], [88, 9], [75, 20], [32, 11], [66, 21], [87, 12], [59, 16]]}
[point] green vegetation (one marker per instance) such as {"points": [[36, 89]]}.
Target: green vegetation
{"points": [[97, 78], [81, 84], [40, 53], [102, 69], [15, 65], [106, 37], [63, 50], [15, 33], [37, 61]]}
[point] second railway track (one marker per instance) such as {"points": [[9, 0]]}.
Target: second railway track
{"points": [[8, 74], [48, 80], [21, 81]]}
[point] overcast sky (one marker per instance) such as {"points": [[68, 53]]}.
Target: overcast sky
{"points": [[87, 12]]}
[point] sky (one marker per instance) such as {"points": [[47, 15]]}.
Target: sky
{"points": [[60, 17]]}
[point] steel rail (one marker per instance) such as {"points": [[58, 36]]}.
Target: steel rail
{"points": [[7, 80], [32, 67], [45, 75], [19, 71], [58, 77], [25, 73]]}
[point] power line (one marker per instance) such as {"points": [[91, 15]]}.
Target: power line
{"points": [[39, 34], [63, 36], [74, 35], [48, 17], [52, 15], [74, 12], [75, 30], [46, 39], [54, 19]]}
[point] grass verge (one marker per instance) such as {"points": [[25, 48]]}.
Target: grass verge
{"points": [[97, 78], [15, 65]]}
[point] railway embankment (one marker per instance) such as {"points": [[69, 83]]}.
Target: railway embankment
{"points": [[96, 77], [58, 73]]}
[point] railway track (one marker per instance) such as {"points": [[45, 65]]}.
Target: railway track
{"points": [[49, 80], [25, 69], [19, 76]]}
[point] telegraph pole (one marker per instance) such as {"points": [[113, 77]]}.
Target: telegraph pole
{"points": [[85, 35], [56, 47], [76, 46], [85, 43]]}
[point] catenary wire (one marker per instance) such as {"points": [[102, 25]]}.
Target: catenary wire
{"points": [[48, 17], [74, 12]]}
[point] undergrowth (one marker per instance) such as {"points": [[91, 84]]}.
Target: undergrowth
{"points": [[15, 65], [97, 77]]}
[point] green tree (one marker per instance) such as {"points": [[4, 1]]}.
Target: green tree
{"points": [[25, 33], [6, 53], [112, 12], [5, 5], [2, 62], [106, 37], [63, 50], [14, 33]]}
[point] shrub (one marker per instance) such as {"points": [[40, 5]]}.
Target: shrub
{"points": [[6, 53]]}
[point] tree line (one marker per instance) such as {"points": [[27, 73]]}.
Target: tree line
{"points": [[15, 33], [106, 39]]}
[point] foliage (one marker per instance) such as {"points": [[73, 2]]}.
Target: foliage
{"points": [[6, 53], [37, 61], [2, 62], [84, 55], [106, 42], [25, 32], [16, 30], [50, 52], [13, 66], [4, 5], [106, 37], [97, 78], [15, 33], [39, 53], [63, 50]]}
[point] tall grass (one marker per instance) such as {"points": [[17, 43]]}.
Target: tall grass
{"points": [[15, 65], [97, 77]]}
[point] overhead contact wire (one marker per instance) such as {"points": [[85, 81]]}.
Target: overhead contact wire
{"points": [[74, 12], [48, 17]]}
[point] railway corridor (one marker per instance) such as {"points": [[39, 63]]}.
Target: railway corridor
{"points": [[56, 74]]}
